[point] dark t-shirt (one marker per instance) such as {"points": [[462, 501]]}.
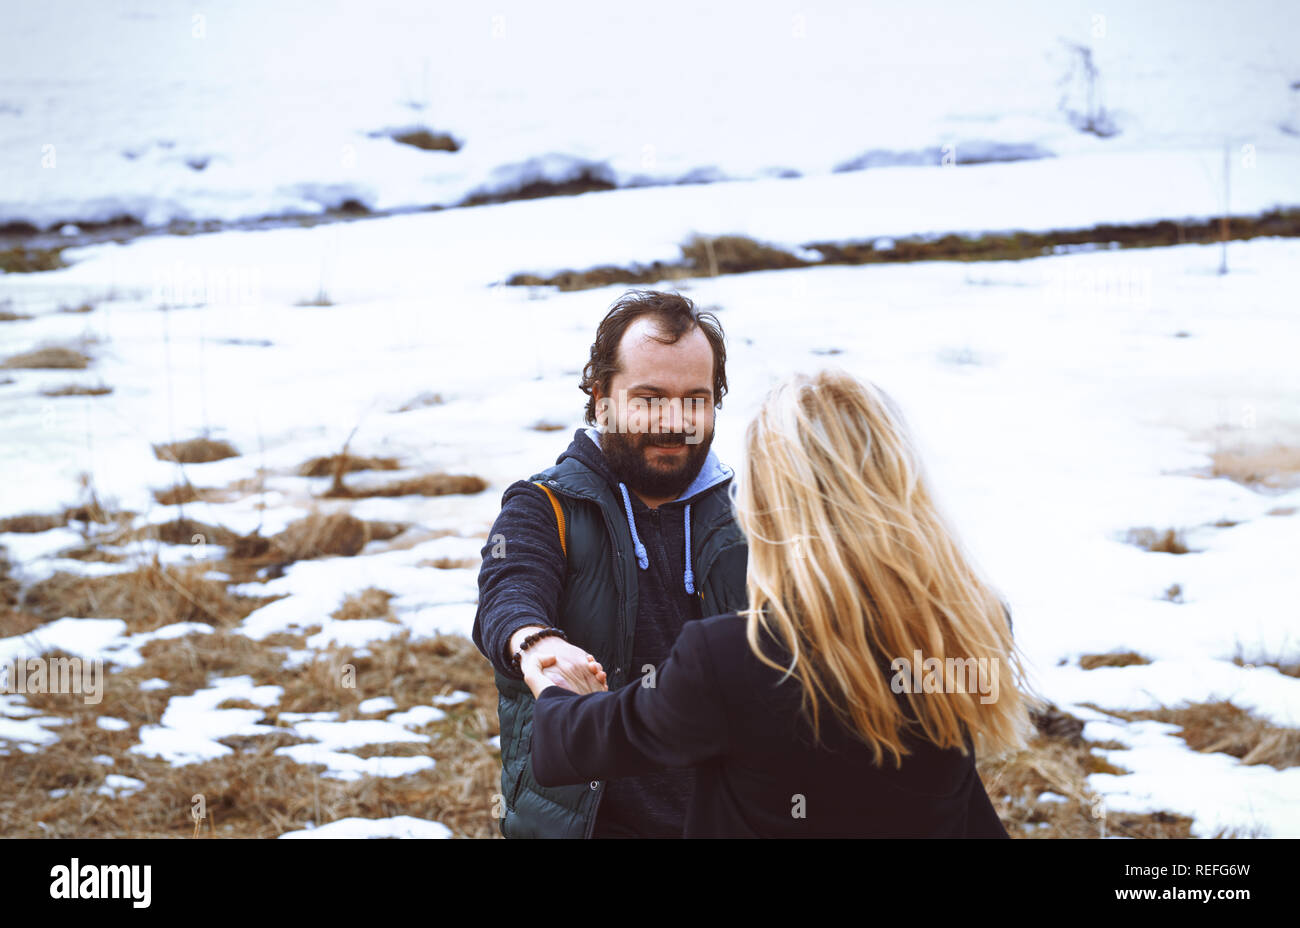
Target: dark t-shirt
{"points": [[654, 803]]}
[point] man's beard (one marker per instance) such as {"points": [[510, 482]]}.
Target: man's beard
{"points": [[650, 473]]}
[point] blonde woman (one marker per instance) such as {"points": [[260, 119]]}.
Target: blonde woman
{"points": [[851, 696]]}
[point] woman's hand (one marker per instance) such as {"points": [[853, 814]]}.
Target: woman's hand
{"points": [[588, 679]]}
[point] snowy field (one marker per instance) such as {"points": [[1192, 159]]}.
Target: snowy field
{"points": [[1059, 405], [163, 112], [1060, 401]]}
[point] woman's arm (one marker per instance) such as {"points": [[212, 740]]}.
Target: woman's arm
{"points": [[673, 717]]}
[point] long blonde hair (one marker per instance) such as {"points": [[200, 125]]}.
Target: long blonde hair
{"points": [[851, 565]]}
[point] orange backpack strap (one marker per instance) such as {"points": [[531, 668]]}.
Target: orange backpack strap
{"points": [[559, 515]]}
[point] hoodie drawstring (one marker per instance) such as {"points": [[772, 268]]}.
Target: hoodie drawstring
{"points": [[690, 575], [642, 559]]}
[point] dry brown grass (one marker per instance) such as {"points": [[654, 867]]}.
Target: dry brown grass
{"points": [[182, 531], [426, 140], [50, 357], [32, 522], [252, 792], [322, 535], [346, 464], [1274, 468], [735, 254], [243, 556], [76, 389], [1112, 659], [424, 485], [13, 619], [187, 493], [146, 598], [91, 512], [543, 426], [1290, 666], [178, 494], [1224, 727], [1048, 765], [421, 401], [8, 315], [1167, 542], [1059, 761], [195, 451], [410, 670], [370, 603], [450, 563]]}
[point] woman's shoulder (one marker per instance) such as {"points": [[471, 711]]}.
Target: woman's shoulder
{"points": [[725, 639]]}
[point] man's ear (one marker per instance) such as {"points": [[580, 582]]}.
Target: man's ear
{"points": [[600, 408]]}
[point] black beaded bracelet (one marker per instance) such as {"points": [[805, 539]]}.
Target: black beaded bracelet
{"points": [[532, 639]]}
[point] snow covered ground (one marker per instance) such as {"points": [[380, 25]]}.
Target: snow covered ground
{"points": [[253, 109], [1058, 402], [1061, 401]]}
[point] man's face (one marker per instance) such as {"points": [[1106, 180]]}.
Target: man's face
{"points": [[657, 419]]}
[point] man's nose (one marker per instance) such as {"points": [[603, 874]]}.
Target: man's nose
{"points": [[670, 416]]}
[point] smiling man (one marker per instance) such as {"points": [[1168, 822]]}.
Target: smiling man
{"points": [[611, 551]]}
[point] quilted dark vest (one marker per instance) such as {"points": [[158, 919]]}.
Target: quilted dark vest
{"points": [[598, 612]]}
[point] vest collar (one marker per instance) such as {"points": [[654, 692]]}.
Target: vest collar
{"points": [[712, 472]]}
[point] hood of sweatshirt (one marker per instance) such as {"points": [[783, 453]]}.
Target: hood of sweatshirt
{"points": [[586, 448]]}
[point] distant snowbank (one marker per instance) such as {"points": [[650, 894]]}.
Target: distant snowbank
{"points": [[254, 110]]}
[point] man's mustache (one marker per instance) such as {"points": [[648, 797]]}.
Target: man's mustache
{"points": [[666, 440]]}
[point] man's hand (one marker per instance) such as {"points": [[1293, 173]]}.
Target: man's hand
{"points": [[569, 659], [579, 680]]}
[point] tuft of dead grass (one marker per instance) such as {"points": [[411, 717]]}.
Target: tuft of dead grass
{"points": [[195, 450], [426, 140], [187, 492], [1221, 726], [423, 485], [1289, 665], [1112, 659], [370, 603], [450, 563], [322, 535], [33, 522], [77, 389], [421, 401], [146, 598], [333, 464], [50, 357], [320, 299], [13, 619], [1169, 541], [1050, 765], [1273, 468], [736, 254]]}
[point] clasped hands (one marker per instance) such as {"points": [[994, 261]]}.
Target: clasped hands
{"points": [[555, 662]]}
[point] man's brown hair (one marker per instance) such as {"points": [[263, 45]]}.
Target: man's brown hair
{"points": [[674, 314]]}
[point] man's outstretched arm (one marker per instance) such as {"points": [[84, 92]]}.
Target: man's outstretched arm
{"points": [[521, 581]]}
